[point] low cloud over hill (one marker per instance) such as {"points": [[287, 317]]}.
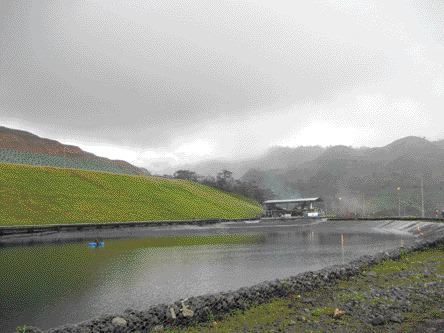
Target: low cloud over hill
{"points": [[354, 180]]}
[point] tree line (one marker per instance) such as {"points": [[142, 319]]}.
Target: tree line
{"points": [[225, 181]]}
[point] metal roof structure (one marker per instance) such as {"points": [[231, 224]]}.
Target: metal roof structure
{"points": [[293, 200]]}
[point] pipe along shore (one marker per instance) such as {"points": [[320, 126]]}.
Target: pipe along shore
{"points": [[75, 232], [216, 306]]}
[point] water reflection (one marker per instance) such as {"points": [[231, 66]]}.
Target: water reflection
{"points": [[51, 285]]}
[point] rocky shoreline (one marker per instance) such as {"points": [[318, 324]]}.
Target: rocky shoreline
{"points": [[202, 309], [402, 295]]}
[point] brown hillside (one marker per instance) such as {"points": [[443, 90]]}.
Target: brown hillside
{"points": [[27, 142]]}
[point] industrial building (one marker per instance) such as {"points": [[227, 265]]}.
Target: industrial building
{"points": [[303, 207]]}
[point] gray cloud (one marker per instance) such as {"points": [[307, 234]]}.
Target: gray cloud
{"points": [[147, 74]]}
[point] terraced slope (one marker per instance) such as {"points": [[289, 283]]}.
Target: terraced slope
{"points": [[47, 195], [22, 147]]}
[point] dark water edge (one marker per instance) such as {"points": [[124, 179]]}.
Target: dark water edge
{"points": [[50, 285]]}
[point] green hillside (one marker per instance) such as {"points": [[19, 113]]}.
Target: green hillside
{"points": [[46, 195]]}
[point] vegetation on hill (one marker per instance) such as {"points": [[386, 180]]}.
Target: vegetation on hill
{"points": [[22, 147], [24, 157], [225, 181], [46, 195]]}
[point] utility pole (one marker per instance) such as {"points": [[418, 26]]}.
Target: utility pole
{"points": [[399, 201], [363, 204], [422, 197], [339, 208]]}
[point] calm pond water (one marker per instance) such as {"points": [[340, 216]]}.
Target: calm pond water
{"points": [[51, 285]]}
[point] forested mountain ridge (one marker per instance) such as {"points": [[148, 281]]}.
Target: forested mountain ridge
{"points": [[366, 180]]}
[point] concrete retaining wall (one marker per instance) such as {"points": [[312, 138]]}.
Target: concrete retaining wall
{"points": [[30, 229], [55, 233], [215, 306]]}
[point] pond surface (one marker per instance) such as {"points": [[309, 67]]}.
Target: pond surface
{"points": [[51, 285]]}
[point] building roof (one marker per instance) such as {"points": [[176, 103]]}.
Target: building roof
{"points": [[293, 200]]}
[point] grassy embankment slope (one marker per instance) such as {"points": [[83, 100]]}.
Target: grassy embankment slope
{"points": [[46, 195]]}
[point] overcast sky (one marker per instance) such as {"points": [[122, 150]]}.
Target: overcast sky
{"points": [[159, 82]]}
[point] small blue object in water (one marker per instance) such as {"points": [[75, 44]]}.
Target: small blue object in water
{"points": [[96, 244]]}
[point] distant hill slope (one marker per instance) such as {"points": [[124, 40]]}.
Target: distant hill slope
{"points": [[275, 158], [366, 179], [440, 143], [46, 195], [22, 147]]}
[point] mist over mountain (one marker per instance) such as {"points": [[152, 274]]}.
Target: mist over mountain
{"points": [[353, 180], [275, 158], [17, 146]]}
